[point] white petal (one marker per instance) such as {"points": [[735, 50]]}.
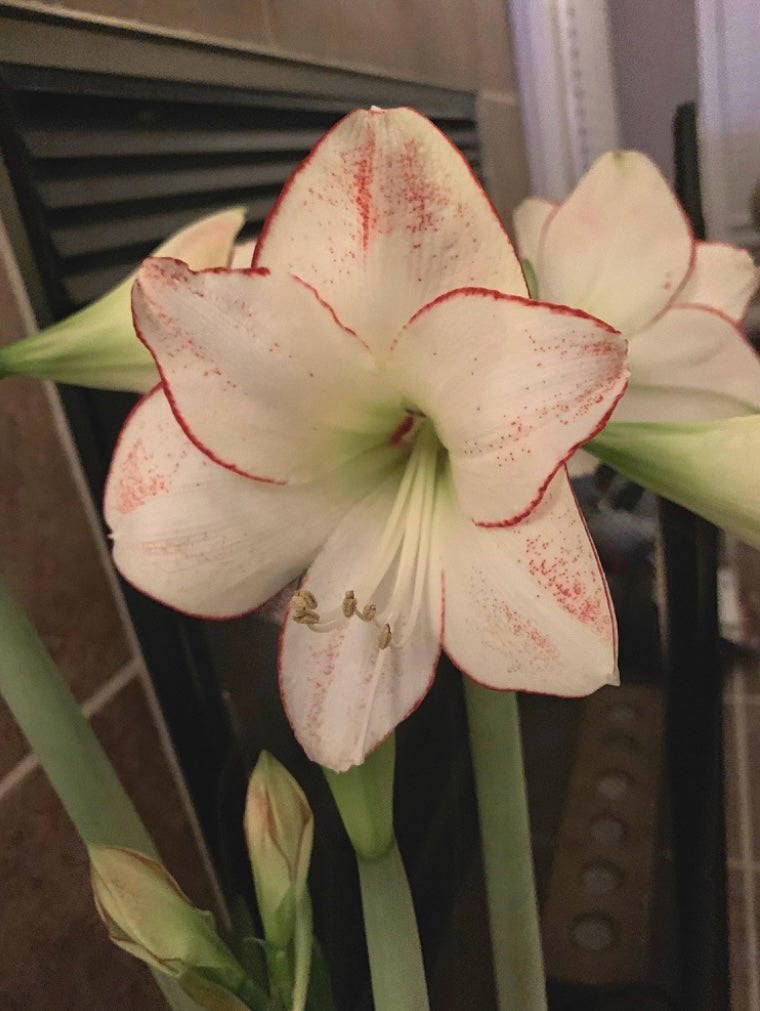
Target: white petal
{"points": [[242, 254], [529, 219], [205, 540], [712, 468], [294, 394], [691, 364], [527, 605], [344, 695], [723, 277], [382, 217], [512, 387], [619, 247]]}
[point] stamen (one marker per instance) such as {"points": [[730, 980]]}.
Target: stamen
{"points": [[384, 639], [367, 613]]}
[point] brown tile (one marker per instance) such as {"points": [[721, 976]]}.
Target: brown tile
{"points": [[57, 954], [752, 719], [738, 953], [47, 553], [128, 734]]}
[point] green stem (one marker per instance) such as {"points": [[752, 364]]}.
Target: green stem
{"points": [[68, 750], [395, 958], [364, 797], [505, 839]]}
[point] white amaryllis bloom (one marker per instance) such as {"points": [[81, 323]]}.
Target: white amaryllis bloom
{"points": [[377, 401], [96, 346], [620, 247]]}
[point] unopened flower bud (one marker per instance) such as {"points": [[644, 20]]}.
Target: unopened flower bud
{"points": [[279, 829], [147, 914]]}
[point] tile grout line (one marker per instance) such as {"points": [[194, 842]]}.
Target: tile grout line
{"points": [[90, 707], [745, 838]]}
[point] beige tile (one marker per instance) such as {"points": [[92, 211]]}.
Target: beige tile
{"points": [[495, 59], [57, 954], [239, 21], [47, 553], [430, 40]]}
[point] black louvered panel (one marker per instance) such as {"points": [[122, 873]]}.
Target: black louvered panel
{"points": [[117, 166]]}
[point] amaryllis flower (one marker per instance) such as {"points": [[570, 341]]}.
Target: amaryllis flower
{"points": [[377, 402], [620, 247]]}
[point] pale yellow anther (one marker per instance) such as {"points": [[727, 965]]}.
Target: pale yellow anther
{"points": [[349, 604], [307, 618], [384, 639], [367, 613], [310, 600]]}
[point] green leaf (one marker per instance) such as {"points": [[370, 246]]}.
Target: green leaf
{"points": [[711, 467]]}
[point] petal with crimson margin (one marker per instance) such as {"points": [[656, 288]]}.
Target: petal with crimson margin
{"points": [[690, 364], [384, 216], [512, 386], [723, 277], [527, 605], [205, 540], [342, 693], [619, 247], [295, 394]]}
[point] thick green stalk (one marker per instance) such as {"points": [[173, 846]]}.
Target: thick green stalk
{"points": [[395, 958], [364, 797], [505, 839], [68, 750]]}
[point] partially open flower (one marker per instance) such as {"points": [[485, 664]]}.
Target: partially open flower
{"points": [[621, 248], [376, 400], [96, 346]]}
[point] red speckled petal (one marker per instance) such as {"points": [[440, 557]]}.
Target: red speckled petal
{"points": [[619, 247], [723, 278], [691, 364], [384, 216], [527, 606], [343, 695], [205, 540], [259, 372], [513, 387]]}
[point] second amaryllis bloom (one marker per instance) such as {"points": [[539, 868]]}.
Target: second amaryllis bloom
{"points": [[377, 402]]}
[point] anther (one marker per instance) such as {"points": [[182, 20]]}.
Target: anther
{"points": [[367, 613], [384, 639], [349, 604], [307, 618]]}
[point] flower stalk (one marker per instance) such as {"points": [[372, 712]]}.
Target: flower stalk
{"points": [[68, 750], [497, 761], [364, 797]]}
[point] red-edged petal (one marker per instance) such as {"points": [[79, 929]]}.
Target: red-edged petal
{"points": [[527, 606], [383, 216], [620, 246], [691, 364], [512, 387], [206, 540], [342, 693], [261, 375], [723, 277]]}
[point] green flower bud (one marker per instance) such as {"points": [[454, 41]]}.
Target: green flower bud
{"points": [[147, 914], [97, 346], [279, 829]]}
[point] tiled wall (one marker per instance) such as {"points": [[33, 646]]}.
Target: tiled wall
{"points": [[54, 951]]}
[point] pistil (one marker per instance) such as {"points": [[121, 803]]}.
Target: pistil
{"points": [[404, 546]]}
